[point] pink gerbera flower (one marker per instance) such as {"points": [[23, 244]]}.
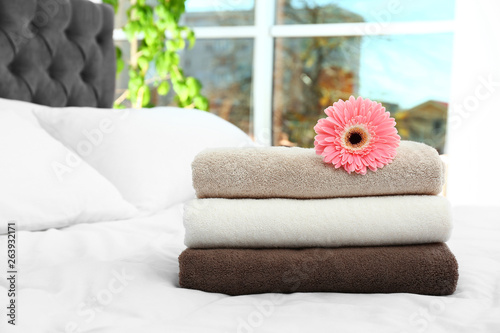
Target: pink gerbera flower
{"points": [[357, 134]]}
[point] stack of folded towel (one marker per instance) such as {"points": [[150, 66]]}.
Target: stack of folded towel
{"points": [[281, 220]]}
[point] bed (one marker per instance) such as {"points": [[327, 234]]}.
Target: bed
{"points": [[99, 222], [121, 276]]}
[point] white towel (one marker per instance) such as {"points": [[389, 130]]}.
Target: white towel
{"points": [[364, 221]]}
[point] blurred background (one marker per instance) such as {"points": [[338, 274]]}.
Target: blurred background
{"points": [[406, 67], [272, 66]]}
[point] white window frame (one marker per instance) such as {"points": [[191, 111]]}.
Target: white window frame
{"points": [[265, 31]]}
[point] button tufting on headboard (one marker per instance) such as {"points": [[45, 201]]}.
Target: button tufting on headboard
{"points": [[57, 52]]}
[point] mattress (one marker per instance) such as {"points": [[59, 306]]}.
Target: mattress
{"points": [[122, 276]]}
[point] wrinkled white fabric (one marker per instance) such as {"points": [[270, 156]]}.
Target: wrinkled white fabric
{"points": [[122, 277]]}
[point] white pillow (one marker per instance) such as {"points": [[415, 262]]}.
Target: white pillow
{"points": [[21, 109], [44, 185], [145, 153]]}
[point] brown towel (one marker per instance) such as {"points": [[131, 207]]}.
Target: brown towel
{"points": [[278, 172], [429, 269]]}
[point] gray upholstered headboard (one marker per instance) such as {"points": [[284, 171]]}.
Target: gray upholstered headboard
{"points": [[57, 52]]}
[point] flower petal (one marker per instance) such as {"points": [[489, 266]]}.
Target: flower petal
{"points": [[369, 116]]}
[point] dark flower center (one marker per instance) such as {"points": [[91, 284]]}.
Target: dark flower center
{"points": [[355, 138]]}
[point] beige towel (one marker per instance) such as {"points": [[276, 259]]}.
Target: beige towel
{"points": [[279, 172]]}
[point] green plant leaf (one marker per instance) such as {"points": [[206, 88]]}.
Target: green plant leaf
{"points": [[113, 3], [182, 91], [120, 64], [190, 36], [161, 11], [134, 84], [193, 85], [132, 29], [164, 88], [201, 103], [143, 63], [175, 59], [145, 92], [171, 46], [146, 28], [181, 44], [175, 75]]}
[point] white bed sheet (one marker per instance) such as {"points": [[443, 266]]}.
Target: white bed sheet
{"points": [[122, 277]]}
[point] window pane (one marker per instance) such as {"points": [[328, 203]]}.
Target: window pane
{"points": [[408, 74], [203, 13], [341, 11], [224, 67], [121, 15]]}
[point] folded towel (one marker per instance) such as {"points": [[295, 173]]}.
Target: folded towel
{"points": [[429, 269], [363, 221], [279, 172]]}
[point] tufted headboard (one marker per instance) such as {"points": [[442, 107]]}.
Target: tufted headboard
{"points": [[57, 52]]}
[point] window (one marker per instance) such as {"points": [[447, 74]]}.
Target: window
{"points": [[272, 66], [217, 13], [224, 66]]}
